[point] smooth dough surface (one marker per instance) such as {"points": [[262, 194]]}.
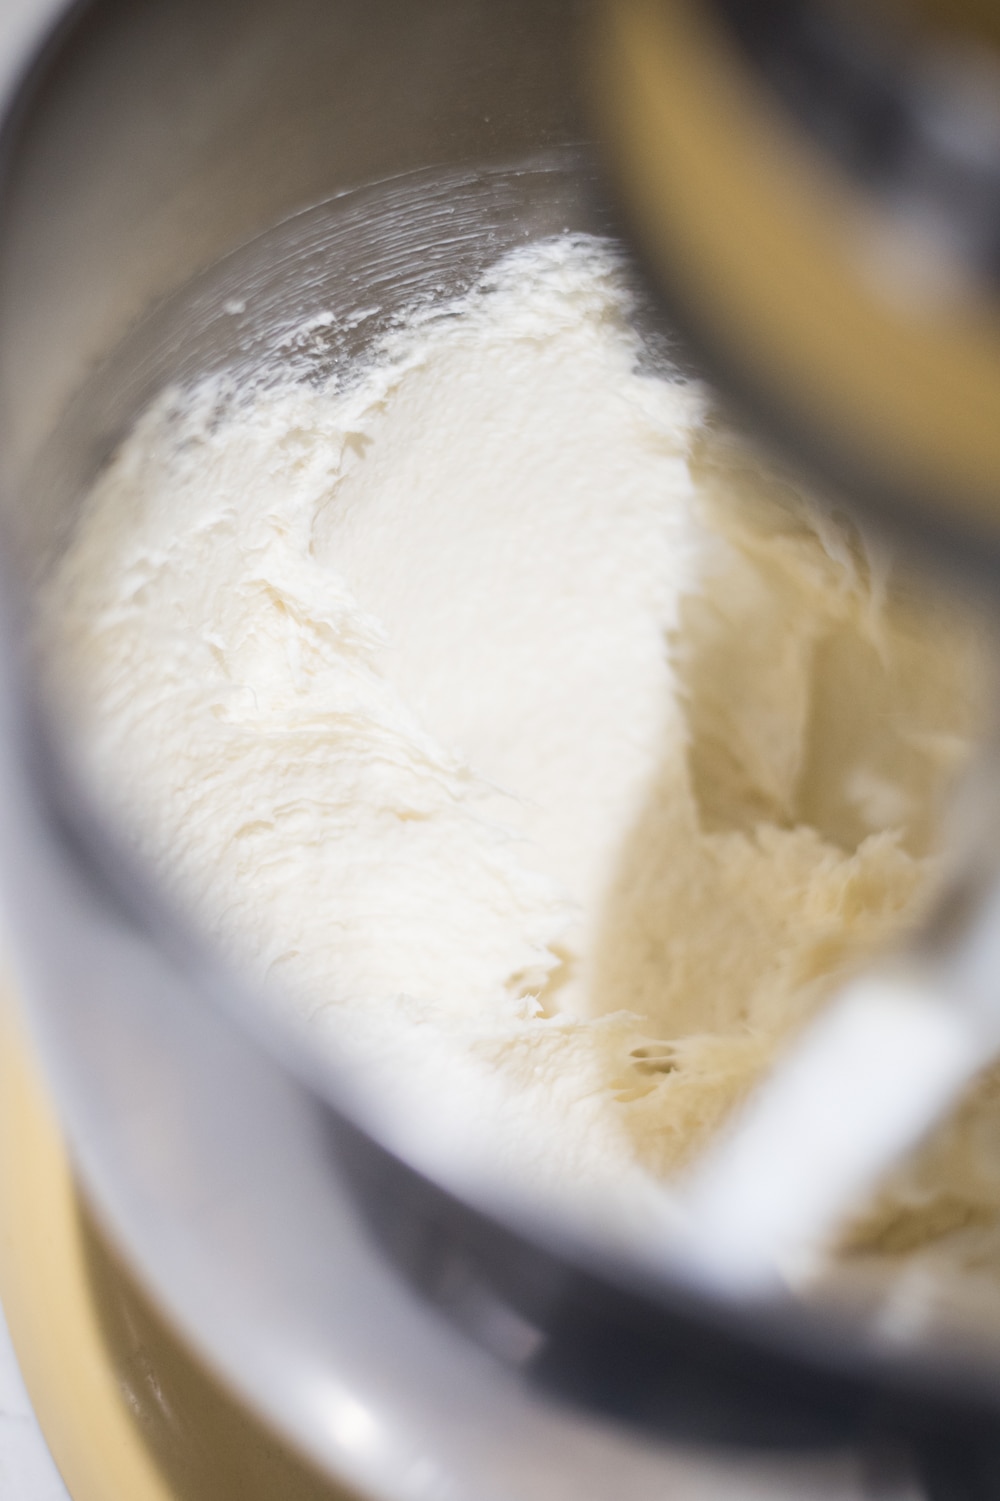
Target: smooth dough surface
{"points": [[541, 748]]}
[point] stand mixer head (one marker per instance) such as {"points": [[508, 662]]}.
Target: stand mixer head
{"points": [[815, 188]]}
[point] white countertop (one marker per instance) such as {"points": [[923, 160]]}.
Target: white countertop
{"points": [[27, 1472]]}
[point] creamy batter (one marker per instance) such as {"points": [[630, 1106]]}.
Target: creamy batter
{"points": [[544, 750]]}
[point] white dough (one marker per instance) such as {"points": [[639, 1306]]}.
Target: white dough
{"points": [[536, 744]]}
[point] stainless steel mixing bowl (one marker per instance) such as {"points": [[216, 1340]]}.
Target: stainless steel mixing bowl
{"points": [[185, 181]]}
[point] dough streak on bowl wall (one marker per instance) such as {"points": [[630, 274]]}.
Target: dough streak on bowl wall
{"points": [[535, 741]]}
